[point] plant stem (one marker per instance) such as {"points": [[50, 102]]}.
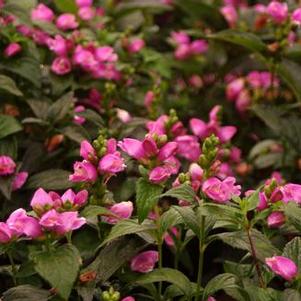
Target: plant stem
{"points": [[14, 268], [201, 259], [160, 264], [253, 251]]}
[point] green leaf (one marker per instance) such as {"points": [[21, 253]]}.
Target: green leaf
{"points": [[128, 226], [239, 239], [169, 275], [25, 293], [76, 133], [245, 39], [6, 186], [253, 200], [291, 295], [66, 6], [90, 212], [26, 67], [293, 213], [52, 179], [219, 282], [61, 108], [93, 117], [9, 85], [182, 192], [170, 218], [189, 218], [292, 250], [9, 147], [8, 125], [39, 107], [147, 195], [290, 73], [20, 9], [261, 148], [59, 267]]}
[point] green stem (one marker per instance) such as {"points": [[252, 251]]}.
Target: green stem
{"points": [[160, 265], [14, 268], [201, 260]]}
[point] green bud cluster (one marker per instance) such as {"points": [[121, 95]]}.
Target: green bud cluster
{"points": [[110, 295]]}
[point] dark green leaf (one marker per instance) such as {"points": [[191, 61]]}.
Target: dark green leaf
{"points": [[292, 250], [293, 213], [59, 267], [66, 6], [291, 295], [182, 192], [76, 133], [52, 179], [26, 293], [147, 195], [9, 85], [8, 125]]}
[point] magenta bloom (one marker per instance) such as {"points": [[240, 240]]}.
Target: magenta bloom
{"points": [[276, 219], [188, 147], [123, 210], [234, 88], [221, 191], [87, 151], [278, 11], [183, 52], [263, 202], [111, 163], [169, 237], [19, 180], [133, 148], [84, 3], [159, 174], [230, 14], [199, 47], [7, 166], [106, 54], [66, 21], [61, 66], [78, 199], [123, 115], [5, 233], [129, 298], [180, 37], [83, 172], [144, 262], [42, 13], [61, 223], [291, 192], [282, 266], [86, 13], [211, 299], [136, 45], [296, 16], [12, 49], [40, 200], [58, 45], [149, 99]]}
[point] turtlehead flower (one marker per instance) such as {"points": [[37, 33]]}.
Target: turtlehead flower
{"points": [[87, 151], [283, 267], [12, 49], [122, 210], [129, 298], [291, 192], [83, 172], [61, 66], [111, 163], [58, 45], [19, 180], [276, 219], [230, 14], [234, 88], [171, 235], [296, 16], [135, 45], [86, 13], [7, 166], [123, 115], [188, 147], [42, 13], [221, 191], [66, 22], [75, 199], [84, 3], [278, 11], [263, 201], [144, 262]]}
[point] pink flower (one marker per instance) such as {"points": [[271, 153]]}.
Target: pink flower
{"points": [[282, 266], [84, 58], [7, 166], [111, 163], [40, 37], [61, 66], [58, 45], [123, 210], [84, 3], [83, 172], [291, 192], [41, 200], [278, 11], [42, 13], [66, 21], [188, 147], [180, 37], [183, 52], [263, 202], [61, 223], [78, 199], [5, 233], [169, 237], [159, 174], [19, 180], [149, 99], [276, 219], [243, 101], [234, 88], [296, 16], [105, 54], [123, 115], [221, 191], [168, 150], [144, 262], [133, 148], [78, 119], [86, 13], [199, 46], [211, 299], [12, 49], [230, 14], [129, 298], [157, 126], [87, 151], [136, 45]]}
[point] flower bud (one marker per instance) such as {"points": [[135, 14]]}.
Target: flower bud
{"points": [[282, 266]]}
